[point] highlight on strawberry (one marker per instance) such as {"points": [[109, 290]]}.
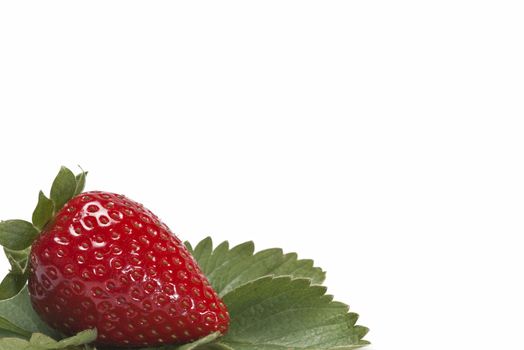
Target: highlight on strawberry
{"points": [[99, 269]]}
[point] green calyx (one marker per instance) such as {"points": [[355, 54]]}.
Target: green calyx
{"points": [[16, 236]]}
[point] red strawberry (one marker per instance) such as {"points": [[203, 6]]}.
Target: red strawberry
{"points": [[107, 262]]}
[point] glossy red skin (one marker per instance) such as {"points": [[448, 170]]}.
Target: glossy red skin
{"points": [[108, 263]]}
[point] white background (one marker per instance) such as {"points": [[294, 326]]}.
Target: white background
{"points": [[384, 139]]}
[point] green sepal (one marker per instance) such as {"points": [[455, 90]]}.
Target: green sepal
{"points": [[80, 182], [19, 256], [17, 234], [16, 279], [11, 285], [63, 188], [43, 212], [17, 259]]}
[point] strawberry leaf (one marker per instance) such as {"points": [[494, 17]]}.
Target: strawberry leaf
{"points": [[197, 344], [43, 212], [5, 325], [63, 188], [17, 234], [14, 344], [228, 268], [216, 346], [19, 312], [39, 341], [45, 342], [284, 313]]}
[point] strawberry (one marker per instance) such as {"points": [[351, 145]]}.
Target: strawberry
{"points": [[106, 262]]}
